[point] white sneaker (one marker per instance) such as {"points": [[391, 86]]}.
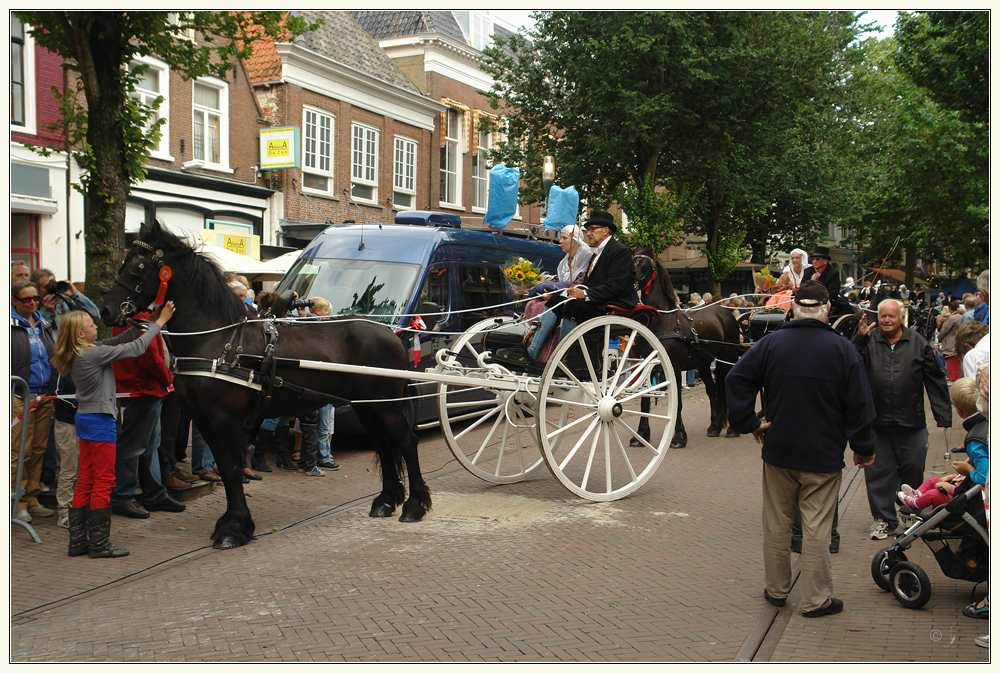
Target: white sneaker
{"points": [[982, 641], [880, 530], [23, 515], [40, 510], [907, 489]]}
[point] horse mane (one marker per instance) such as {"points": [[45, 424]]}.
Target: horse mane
{"points": [[199, 271]]}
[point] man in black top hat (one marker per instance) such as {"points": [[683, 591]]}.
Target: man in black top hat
{"points": [[610, 279], [821, 271]]}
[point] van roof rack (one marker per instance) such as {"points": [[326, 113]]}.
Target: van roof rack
{"points": [[428, 218]]}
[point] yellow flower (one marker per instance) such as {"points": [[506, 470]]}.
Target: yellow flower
{"points": [[519, 275]]}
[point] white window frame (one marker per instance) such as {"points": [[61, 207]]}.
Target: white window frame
{"points": [[175, 18], [482, 155], [369, 158], [30, 125], [480, 29], [409, 149], [223, 111], [162, 72], [306, 154], [453, 143]]}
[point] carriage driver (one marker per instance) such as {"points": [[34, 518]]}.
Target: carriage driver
{"points": [[609, 280], [822, 271]]}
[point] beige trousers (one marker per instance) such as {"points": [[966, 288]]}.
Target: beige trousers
{"points": [[816, 495], [68, 446], [36, 437]]}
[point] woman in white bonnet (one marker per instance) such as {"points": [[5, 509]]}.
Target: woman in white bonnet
{"points": [[571, 271], [791, 276]]}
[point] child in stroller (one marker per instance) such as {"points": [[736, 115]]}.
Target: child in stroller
{"points": [[955, 529]]}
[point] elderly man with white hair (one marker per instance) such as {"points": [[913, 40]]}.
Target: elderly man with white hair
{"points": [[901, 365]]}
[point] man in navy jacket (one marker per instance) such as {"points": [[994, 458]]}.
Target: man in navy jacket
{"points": [[816, 399]]}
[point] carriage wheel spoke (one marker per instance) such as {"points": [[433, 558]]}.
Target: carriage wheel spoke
{"points": [[590, 455], [486, 416], [643, 393], [576, 447], [572, 377], [624, 455], [486, 441], [605, 346], [564, 427], [624, 360], [582, 345]]}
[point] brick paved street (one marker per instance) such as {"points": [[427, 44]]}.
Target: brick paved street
{"points": [[517, 573]]}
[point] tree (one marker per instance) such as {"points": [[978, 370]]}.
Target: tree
{"points": [[108, 131], [948, 53], [714, 103]]}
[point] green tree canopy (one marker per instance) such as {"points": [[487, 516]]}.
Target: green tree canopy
{"points": [[724, 105]]}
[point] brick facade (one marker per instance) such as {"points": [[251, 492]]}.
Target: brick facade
{"points": [[48, 74]]}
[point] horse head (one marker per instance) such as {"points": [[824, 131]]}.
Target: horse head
{"points": [[158, 266], [650, 276]]}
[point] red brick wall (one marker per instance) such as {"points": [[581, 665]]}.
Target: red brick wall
{"points": [[285, 102], [48, 73], [439, 87]]}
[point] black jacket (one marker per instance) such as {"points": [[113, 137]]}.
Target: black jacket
{"points": [[814, 393], [612, 280], [830, 278], [898, 377]]}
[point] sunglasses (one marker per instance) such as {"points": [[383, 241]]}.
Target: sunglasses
{"points": [[27, 300], [594, 226]]}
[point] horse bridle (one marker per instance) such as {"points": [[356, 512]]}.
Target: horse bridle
{"points": [[137, 271], [644, 289]]}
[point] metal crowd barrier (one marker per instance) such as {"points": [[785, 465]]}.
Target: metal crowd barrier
{"points": [[17, 383]]}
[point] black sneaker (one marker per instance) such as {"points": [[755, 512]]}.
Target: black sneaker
{"points": [[835, 606]]}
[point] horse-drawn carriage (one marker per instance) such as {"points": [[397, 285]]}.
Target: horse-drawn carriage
{"points": [[576, 415]]}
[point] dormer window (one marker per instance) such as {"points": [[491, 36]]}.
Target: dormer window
{"points": [[477, 26]]}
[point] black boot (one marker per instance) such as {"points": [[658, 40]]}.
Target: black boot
{"points": [[99, 531], [258, 459], [282, 456], [78, 531]]}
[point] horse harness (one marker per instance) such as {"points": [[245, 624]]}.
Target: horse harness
{"points": [[260, 374]]}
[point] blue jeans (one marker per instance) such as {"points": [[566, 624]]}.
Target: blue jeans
{"points": [[137, 458], [325, 428], [273, 424], [691, 373], [202, 459]]}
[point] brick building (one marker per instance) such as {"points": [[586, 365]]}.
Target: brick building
{"points": [[365, 129], [42, 229], [440, 52]]}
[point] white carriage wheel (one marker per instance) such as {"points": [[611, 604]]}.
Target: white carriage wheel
{"points": [[508, 452], [586, 420]]}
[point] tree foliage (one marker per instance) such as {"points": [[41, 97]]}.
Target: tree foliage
{"points": [[723, 105], [106, 128]]}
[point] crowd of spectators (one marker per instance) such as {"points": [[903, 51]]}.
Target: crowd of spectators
{"points": [[148, 435]]}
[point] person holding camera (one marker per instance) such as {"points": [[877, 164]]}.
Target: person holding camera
{"points": [[59, 297]]}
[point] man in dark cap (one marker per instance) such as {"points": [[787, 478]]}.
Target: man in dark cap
{"points": [[610, 279], [813, 381]]}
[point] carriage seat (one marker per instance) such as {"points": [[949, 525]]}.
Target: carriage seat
{"points": [[644, 314]]}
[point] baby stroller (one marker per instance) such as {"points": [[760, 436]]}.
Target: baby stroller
{"points": [[954, 532]]}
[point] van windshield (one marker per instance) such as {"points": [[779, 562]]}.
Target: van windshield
{"points": [[355, 287]]}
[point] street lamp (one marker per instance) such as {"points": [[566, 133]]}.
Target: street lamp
{"points": [[548, 176]]}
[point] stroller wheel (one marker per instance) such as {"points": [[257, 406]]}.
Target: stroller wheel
{"points": [[910, 585], [881, 565]]}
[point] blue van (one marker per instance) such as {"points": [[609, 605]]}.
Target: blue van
{"points": [[424, 264]]}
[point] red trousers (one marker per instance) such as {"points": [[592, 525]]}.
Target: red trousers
{"points": [[96, 477], [954, 366]]}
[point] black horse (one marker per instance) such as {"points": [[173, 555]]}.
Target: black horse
{"points": [[693, 339], [211, 324]]}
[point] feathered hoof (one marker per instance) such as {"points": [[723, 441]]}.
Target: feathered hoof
{"points": [[731, 434], [678, 444], [412, 517], [381, 511], [227, 542], [714, 432], [635, 443]]}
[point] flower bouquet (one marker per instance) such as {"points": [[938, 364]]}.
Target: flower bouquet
{"points": [[763, 280], [522, 275]]}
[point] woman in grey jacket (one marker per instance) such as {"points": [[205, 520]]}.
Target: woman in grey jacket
{"points": [[78, 352]]}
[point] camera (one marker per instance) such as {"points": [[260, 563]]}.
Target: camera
{"points": [[57, 287], [300, 303]]}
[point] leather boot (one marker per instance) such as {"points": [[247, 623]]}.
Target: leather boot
{"points": [[282, 457], [258, 459], [78, 531], [310, 446], [99, 532]]}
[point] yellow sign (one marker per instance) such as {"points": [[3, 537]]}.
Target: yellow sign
{"points": [[279, 148], [235, 243]]}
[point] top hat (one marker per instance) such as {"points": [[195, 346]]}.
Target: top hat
{"points": [[603, 219], [821, 251]]}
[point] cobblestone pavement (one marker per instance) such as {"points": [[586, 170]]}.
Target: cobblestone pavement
{"points": [[516, 573]]}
